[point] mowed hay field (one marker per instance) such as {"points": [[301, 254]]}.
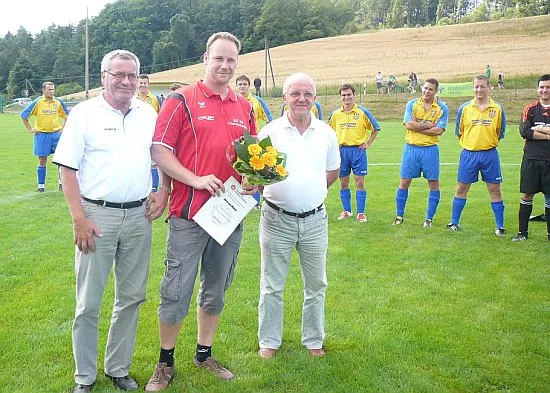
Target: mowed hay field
{"points": [[449, 53]]}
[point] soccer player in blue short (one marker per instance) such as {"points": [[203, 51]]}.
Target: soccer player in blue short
{"points": [[535, 167], [145, 95], [480, 124], [47, 111], [356, 128], [425, 120], [261, 111]]}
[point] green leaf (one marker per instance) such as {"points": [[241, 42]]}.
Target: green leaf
{"points": [[265, 142], [242, 152], [249, 139]]}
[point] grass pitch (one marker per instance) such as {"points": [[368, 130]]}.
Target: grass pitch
{"points": [[408, 309]]}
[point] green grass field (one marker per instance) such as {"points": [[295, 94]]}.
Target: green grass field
{"points": [[408, 309]]}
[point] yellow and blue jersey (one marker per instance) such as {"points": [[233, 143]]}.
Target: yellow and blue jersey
{"points": [[261, 111], [480, 129], [47, 113], [315, 109], [152, 100], [437, 114], [353, 128]]}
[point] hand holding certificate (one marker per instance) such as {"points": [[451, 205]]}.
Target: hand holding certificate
{"points": [[220, 215]]}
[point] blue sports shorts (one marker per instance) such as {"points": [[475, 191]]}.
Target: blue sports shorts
{"points": [[418, 160], [45, 143], [353, 158], [472, 162]]}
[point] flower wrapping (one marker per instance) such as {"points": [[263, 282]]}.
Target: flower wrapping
{"points": [[259, 161]]}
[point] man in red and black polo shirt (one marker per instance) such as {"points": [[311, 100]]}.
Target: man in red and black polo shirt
{"points": [[196, 124]]}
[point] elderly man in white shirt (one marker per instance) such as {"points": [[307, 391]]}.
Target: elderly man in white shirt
{"points": [[294, 216]]}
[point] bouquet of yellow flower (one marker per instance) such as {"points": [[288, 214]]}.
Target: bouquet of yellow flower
{"points": [[259, 161]]}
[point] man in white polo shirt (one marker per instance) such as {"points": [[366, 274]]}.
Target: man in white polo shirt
{"points": [[104, 158], [294, 216]]}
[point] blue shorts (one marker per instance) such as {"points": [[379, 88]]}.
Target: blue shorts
{"points": [[472, 162], [418, 160], [353, 158], [45, 143]]}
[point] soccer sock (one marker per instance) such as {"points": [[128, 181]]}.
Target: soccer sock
{"points": [[345, 197], [433, 202], [203, 352], [525, 209], [458, 206], [167, 356], [400, 201], [361, 200], [41, 175], [155, 175], [498, 211], [59, 175], [547, 213]]}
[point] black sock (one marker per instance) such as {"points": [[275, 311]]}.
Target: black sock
{"points": [[547, 218], [203, 352], [167, 356], [525, 209]]}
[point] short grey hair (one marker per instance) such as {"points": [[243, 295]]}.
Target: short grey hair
{"points": [[298, 76], [223, 35], [47, 83], [120, 53]]}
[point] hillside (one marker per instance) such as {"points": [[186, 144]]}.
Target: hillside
{"points": [[513, 46]]}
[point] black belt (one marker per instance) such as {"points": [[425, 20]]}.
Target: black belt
{"points": [[298, 215], [122, 205]]}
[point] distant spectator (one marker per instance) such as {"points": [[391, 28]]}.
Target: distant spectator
{"points": [[257, 85], [379, 79], [500, 82], [488, 72], [413, 81]]}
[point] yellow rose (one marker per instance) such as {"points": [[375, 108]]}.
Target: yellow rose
{"points": [[281, 171], [269, 159], [272, 150], [256, 163], [254, 149]]}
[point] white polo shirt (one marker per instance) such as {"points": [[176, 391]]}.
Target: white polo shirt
{"points": [[110, 150], [309, 156]]}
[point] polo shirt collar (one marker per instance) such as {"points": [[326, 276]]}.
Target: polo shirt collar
{"points": [[354, 109], [287, 124], [134, 102], [209, 93]]}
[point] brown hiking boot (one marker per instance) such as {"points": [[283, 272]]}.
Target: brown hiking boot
{"points": [[161, 378], [213, 365]]}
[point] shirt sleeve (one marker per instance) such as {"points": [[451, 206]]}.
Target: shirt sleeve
{"points": [[409, 111], [442, 121], [70, 149]]}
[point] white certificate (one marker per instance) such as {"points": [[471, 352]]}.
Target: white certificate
{"points": [[220, 215]]}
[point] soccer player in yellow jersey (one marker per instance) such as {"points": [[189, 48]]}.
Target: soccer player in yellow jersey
{"points": [[356, 128], [480, 124], [261, 111], [47, 110], [145, 95], [425, 120]]}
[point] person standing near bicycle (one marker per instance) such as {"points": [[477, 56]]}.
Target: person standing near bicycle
{"points": [[379, 80], [413, 82], [392, 82]]}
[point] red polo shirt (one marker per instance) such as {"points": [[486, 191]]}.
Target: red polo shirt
{"points": [[198, 126]]}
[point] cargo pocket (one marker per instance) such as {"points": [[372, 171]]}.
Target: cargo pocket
{"points": [[170, 287]]}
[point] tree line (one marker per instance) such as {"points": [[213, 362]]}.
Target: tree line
{"points": [[167, 34]]}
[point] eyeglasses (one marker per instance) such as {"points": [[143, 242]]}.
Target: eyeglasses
{"points": [[121, 75], [296, 95]]}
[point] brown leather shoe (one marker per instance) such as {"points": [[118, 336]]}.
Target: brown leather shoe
{"points": [[161, 378], [317, 352], [267, 353], [213, 365]]}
